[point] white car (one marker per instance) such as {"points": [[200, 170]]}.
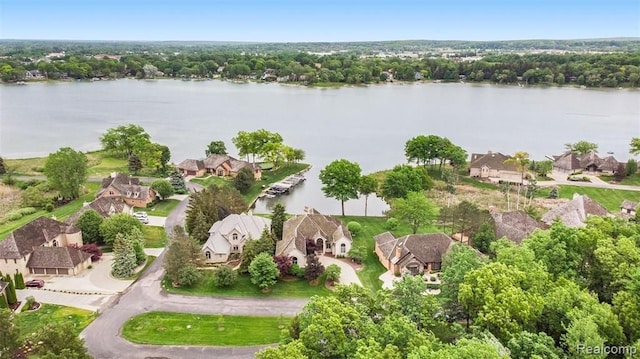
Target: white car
{"points": [[142, 217]]}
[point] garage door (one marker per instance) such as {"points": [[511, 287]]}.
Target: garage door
{"points": [[51, 271], [63, 271], [38, 270]]}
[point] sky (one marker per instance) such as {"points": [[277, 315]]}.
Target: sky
{"points": [[317, 21]]}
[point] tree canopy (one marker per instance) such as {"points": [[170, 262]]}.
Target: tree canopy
{"points": [[66, 171], [341, 180], [415, 209], [216, 148], [582, 147], [404, 179]]}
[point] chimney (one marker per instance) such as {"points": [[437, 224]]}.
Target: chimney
{"points": [[399, 249]]}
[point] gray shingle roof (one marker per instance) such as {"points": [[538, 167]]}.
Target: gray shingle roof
{"points": [[3, 285], [515, 225], [23, 240], [103, 205], [191, 165], [56, 257], [575, 212], [626, 204], [248, 225]]}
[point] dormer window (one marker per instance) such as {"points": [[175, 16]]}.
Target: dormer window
{"points": [[235, 236], [136, 194], [55, 243], [128, 193]]}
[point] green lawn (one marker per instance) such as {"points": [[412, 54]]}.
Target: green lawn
{"points": [[197, 329], [299, 288], [209, 180], [154, 237], [149, 262], [161, 209], [61, 213], [477, 183], [30, 322], [633, 180], [372, 226], [609, 198]]}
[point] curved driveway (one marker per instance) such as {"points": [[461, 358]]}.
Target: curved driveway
{"points": [[102, 336]]}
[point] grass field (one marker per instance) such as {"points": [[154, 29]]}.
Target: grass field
{"points": [[195, 329], [154, 237], [150, 260], [161, 209], [61, 213], [209, 180], [633, 180], [30, 322], [609, 198], [299, 288], [372, 226]]}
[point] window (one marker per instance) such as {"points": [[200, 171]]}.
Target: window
{"points": [[294, 260], [235, 236], [328, 246], [220, 173], [55, 243], [207, 254], [343, 248], [235, 248]]}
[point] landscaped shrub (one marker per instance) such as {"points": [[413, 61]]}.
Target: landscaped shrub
{"points": [[94, 250], [224, 276], [296, 270], [19, 280], [357, 253], [433, 286], [554, 193], [333, 273], [392, 224], [188, 275], [355, 228], [30, 302], [284, 264]]}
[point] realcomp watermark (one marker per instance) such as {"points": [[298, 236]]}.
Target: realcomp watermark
{"points": [[606, 349]]}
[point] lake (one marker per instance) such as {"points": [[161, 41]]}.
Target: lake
{"points": [[368, 125]]}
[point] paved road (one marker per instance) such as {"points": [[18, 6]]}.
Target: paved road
{"points": [[102, 336], [560, 179]]}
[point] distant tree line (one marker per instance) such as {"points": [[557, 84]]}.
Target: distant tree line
{"points": [[592, 70]]}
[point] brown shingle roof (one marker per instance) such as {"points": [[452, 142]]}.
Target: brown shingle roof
{"points": [[425, 248], [567, 161], [515, 225], [191, 165], [3, 285], [493, 160], [56, 257], [386, 242], [33, 234], [296, 230], [129, 187], [626, 204], [102, 205], [575, 212], [608, 164], [215, 160]]}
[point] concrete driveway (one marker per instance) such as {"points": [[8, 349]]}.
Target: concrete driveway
{"points": [[92, 302], [156, 221], [347, 275]]}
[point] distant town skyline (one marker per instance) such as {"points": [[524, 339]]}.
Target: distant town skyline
{"points": [[317, 21]]}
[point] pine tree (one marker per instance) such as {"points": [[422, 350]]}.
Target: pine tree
{"points": [[3, 302], [137, 241], [200, 230], [19, 280], [3, 167], [135, 165], [277, 220], [12, 298], [124, 257]]}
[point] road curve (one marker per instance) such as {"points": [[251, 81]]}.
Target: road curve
{"points": [[102, 336]]}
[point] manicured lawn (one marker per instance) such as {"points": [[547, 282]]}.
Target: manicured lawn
{"points": [[196, 329], [299, 288], [149, 262], [478, 184], [209, 180], [61, 213], [609, 198], [372, 226], [161, 209], [102, 165], [30, 322], [633, 180], [154, 237]]}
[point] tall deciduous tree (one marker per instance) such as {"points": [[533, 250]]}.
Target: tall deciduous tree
{"points": [[340, 180], [66, 171], [279, 216], [163, 188], [89, 223], [123, 140], [403, 179], [216, 148], [182, 251], [118, 223], [244, 180], [215, 203], [59, 340], [416, 210], [582, 147], [367, 186], [634, 146], [264, 272], [459, 261]]}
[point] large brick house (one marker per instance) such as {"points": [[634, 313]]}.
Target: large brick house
{"points": [[41, 247], [414, 253], [128, 189], [492, 166], [217, 165], [230, 235]]}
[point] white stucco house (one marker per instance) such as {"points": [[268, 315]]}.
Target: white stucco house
{"points": [[230, 235]]}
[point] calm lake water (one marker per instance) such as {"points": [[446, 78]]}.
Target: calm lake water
{"points": [[368, 125]]}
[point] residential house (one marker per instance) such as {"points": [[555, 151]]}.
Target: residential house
{"points": [[492, 166], [230, 235], [33, 75], [104, 206], [414, 253], [628, 209], [575, 212], [41, 247], [570, 162], [218, 165], [514, 225], [329, 235], [128, 189]]}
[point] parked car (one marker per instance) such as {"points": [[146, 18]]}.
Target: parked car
{"points": [[35, 283], [142, 217]]}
